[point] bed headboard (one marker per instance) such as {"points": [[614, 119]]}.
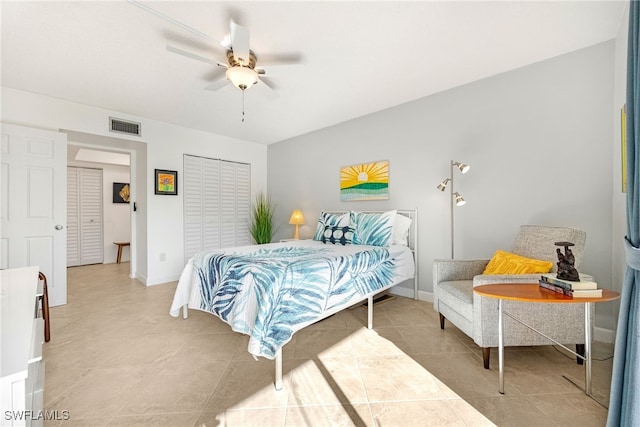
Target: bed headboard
{"points": [[413, 238]]}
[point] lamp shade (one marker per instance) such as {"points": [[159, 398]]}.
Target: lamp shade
{"points": [[242, 77], [296, 217], [463, 167], [443, 185]]}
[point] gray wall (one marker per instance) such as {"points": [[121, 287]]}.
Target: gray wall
{"points": [[538, 140]]}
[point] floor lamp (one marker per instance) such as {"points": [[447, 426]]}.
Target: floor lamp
{"points": [[454, 195]]}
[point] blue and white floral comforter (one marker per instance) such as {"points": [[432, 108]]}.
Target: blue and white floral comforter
{"points": [[271, 291]]}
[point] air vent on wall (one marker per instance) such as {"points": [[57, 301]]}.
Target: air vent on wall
{"points": [[124, 126]]}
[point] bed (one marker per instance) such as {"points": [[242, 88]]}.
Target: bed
{"points": [[271, 291]]}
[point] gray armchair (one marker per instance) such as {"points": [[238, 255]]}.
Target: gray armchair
{"points": [[476, 316]]}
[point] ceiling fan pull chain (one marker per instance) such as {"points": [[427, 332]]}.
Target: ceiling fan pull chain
{"points": [[243, 106]]}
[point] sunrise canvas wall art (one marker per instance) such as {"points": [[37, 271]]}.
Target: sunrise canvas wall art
{"points": [[366, 181]]}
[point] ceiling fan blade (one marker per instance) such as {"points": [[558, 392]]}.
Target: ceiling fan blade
{"points": [[275, 59], [239, 42], [226, 42], [171, 20], [218, 84], [176, 37], [194, 56], [215, 74], [278, 69], [266, 88]]}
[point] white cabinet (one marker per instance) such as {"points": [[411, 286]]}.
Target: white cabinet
{"points": [[21, 338]]}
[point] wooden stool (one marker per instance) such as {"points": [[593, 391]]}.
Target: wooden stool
{"points": [[45, 307], [120, 246]]}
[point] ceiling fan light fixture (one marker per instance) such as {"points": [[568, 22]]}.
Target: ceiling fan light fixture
{"points": [[242, 77]]}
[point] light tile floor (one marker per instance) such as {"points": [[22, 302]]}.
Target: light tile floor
{"points": [[116, 358]]}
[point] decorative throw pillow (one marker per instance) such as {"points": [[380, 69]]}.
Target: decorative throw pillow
{"points": [[331, 219], [401, 227], [508, 263], [374, 229], [337, 235]]}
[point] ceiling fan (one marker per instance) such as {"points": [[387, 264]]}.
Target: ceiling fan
{"points": [[240, 61]]}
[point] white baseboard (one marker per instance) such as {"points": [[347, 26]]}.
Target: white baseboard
{"points": [[147, 281], [162, 280], [140, 277], [408, 293], [604, 335]]}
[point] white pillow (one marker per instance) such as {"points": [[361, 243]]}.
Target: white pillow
{"points": [[401, 226]]}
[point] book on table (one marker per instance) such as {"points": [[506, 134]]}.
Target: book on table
{"points": [[566, 284], [587, 293], [575, 293]]}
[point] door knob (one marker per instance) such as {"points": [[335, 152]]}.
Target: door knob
{"points": [[59, 227]]}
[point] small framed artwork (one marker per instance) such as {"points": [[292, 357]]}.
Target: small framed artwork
{"points": [[166, 182], [120, 192], [365, 181]]}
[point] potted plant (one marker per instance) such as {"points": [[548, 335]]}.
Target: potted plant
{"points": [[262, 219]]}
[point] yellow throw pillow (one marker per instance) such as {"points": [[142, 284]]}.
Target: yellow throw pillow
{"points": [[508, 263]]}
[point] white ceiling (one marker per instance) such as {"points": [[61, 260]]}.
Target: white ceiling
{"points": [[359, 57]]}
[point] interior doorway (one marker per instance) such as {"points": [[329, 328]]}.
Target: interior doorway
{"points": [[117, 159]]}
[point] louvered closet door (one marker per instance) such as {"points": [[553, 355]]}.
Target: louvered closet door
{"points": [[234, 204], [73, 218], [193, 201], [216, 204], [243, 204], [91, 243], [84, 217], [227, 204], [211, 204]]}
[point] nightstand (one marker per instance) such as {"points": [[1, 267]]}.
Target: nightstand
{"points": [[291, 240]]}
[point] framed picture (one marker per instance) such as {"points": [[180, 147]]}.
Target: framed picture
{"points": [[166, 182], [120, 192], [365, 181]]}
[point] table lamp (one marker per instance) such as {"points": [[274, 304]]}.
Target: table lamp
{"points": [[297, 219]]}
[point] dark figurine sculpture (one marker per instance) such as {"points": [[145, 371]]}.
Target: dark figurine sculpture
{"points": [[566, 262]]}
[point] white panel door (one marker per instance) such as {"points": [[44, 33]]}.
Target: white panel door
{"points": [[34, 195]]}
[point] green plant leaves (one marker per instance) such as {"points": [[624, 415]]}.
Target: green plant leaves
{"points": [[261, 228]]}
